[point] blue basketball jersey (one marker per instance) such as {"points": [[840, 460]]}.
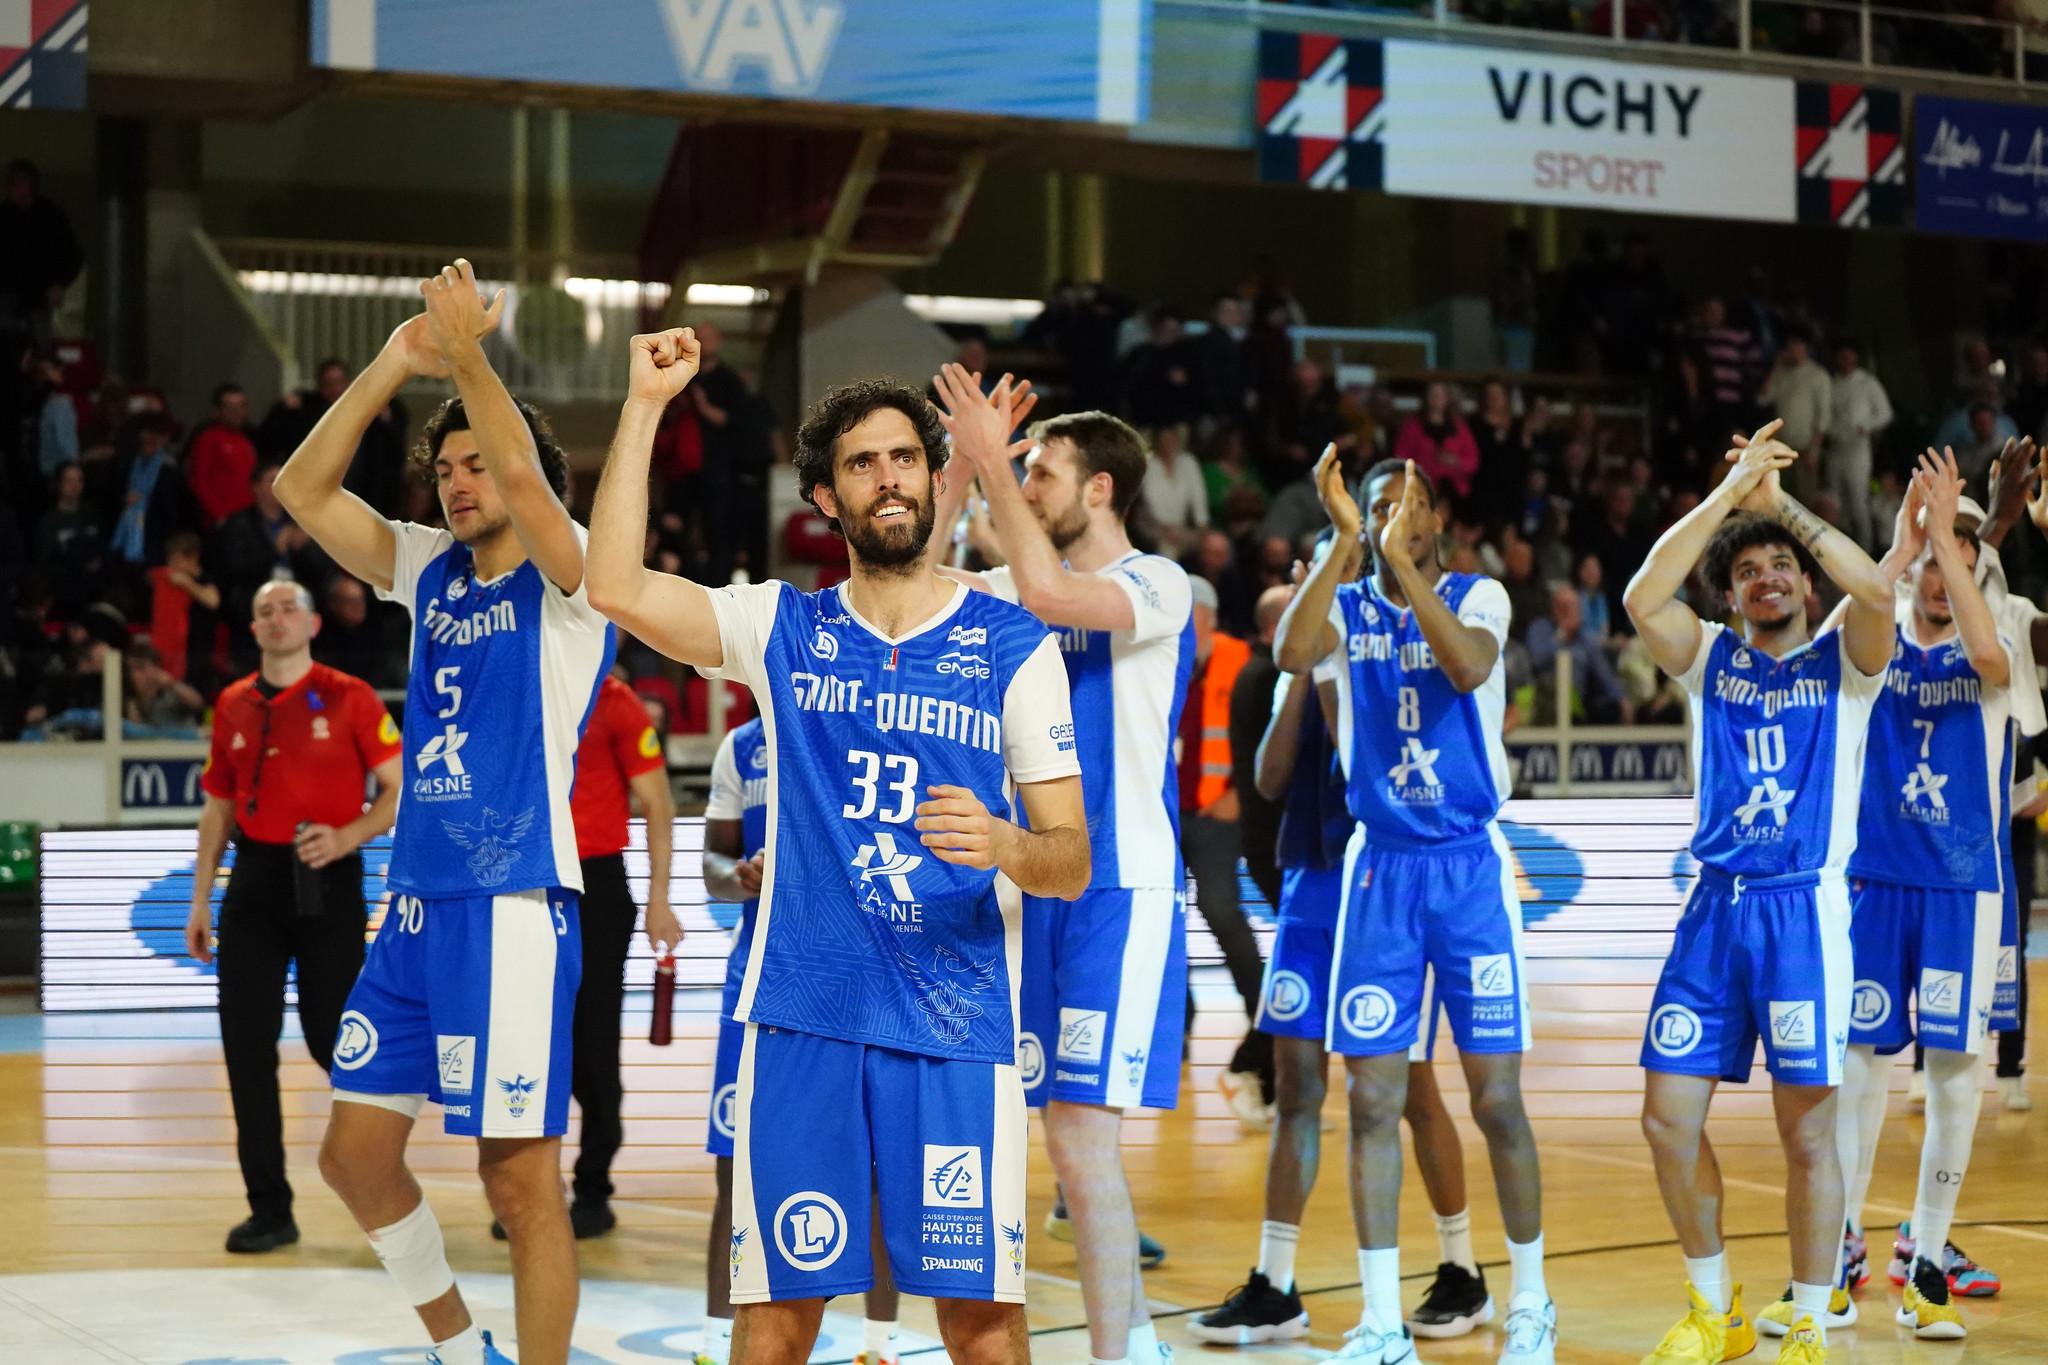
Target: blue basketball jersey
{"points": [[861, 933], [1128, 689], [1423, 761], [739, 791], [1315, 816], [1778, 749], [504, 674], [1934, 778]]}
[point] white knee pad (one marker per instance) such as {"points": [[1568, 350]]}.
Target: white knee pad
{"points": [[412, 1250], [408, 1105]]}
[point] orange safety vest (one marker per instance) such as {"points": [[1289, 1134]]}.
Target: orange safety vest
{"points": [[1227, 657]]}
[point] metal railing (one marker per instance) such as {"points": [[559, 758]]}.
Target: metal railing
{"points": [[1984, 50]]}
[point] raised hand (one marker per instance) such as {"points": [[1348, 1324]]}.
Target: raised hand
{"points": [[662, 364], [1411, 515], [2015, 475], [456, 312], [1909, 530], [1335, 497], [1757, 458], [980, 423], [413, 344], [1941, 486]]}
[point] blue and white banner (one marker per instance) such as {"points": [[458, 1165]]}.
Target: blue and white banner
{"points": [[1085, 60], [1980, 169]]}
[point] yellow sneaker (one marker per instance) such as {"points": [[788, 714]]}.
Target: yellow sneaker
{"points": [[1803, 1345], [1776, 1320], [1928, 1308], [1739, 1330], [1700, 1337]]}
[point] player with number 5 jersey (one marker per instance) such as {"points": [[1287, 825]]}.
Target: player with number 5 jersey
{"points": [[921, 776], [468, 993], [1780, 717], [1431, 918]]}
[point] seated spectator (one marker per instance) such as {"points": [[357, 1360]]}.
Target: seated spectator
{"points": [[71, 544], [1528, 595], [182, 610], [1440, 444], [1173, 490], [153, 498], [1616, 538], [1657, 698], [65, 701], [155, 704], [56, 414], [1226, 469], [1594, 608], [1596, 693], [221, 457]]}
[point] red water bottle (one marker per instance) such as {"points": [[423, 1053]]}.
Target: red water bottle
{"points": [[662, 1030]]}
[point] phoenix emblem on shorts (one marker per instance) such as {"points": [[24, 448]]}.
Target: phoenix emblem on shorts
{"points": [[738, 1252], [1013, 1233], [493, 843], [518, 1094], [946, 991]]}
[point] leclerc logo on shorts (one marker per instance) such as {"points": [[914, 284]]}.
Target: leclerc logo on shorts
{"points": [[810, 1230], [1674, 1031], [1030, 1060], [1367, 1012], [1941, 992], [724, 1109], [1870, 1005], [1792, 1025], [1286, 996], [1493, 974], [952, 1177], [355, 1042], [1081, 1034]]}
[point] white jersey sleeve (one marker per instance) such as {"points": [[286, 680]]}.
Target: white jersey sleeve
{"points": [[414, 547], [1000, 582], [1038, 719], [577, 602], [728, 799], [746, 615], [2016, 617], [1161, 600], [1855, 682], [1694, 679], [1486, 608]]}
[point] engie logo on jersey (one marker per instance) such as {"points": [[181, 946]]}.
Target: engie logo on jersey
{"points": [[966, 665], [952, 1177]]}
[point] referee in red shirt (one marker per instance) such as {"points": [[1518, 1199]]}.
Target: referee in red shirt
{"points": [[620, 755], [293, 745]]}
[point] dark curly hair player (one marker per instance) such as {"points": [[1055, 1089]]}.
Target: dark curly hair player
{"points": [[921, 778]]}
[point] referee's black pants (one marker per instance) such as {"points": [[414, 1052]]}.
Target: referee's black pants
{"points": [[261, 932], [608, 916]]}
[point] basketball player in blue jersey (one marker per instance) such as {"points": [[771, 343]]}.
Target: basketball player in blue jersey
{"points": [[1925, 880], [469, 990], [1780, 717], [1431, 917], [1297, 760], [735, 821], [913, 727], [1105, 978]]}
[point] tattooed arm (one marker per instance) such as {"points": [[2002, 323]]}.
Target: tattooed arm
{"points": [[1869, 590]]}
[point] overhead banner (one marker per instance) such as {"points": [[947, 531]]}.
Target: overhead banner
{"points": [[1085, 60], [1980, 169], [1463, 122], [42, 54]]}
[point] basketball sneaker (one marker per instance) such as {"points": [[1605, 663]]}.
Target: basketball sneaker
{"points": [[1368, 1345], [1777, 1320], [1060, 1228], [1855, 1259], [1531, 1332], [1254, 1312], [1242, 1093], [1965, 1276], [1927, 1309], [874, 1358], [1803, 1346], [492, 1355], [1455, 1303], [1705, 1337], [2013, 1091]]}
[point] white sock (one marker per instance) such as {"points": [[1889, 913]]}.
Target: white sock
{"points": [[1859, 1119], [1277, 1242], [1811, 1301], [1527, 1260], [717, 1343], [1144, 1347], [1454, 1240], [1098, 1360], [1709, 1275], [879, 1339], [464, 1348], [1954, 1095], [1379, 1270]]}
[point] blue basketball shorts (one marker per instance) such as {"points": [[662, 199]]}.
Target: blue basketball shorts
{"points": [[725, 1086], [2005, 987], [1424, 931], [470, 1002], [1767, 957], [1105, 985], [1935, 946], [829, 1132], [1294, 1002]]}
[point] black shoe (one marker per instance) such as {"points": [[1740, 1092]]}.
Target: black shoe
{"points": [[1455, 1303], [497, 1231], [591, 1220], [1150, 1251], [1254, 1312], [259, 1234]]}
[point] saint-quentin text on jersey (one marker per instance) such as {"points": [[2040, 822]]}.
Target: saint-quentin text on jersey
{"points": [[902, 712]]}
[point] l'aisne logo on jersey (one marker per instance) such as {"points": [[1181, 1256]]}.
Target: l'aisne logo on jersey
{"points": [[1413, 778], [884, 866], [1921, 798], [442, 775], [1763, 816]]}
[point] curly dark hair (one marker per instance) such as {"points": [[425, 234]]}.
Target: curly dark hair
{"points": [[452, 416], [1746, 531], [846, 407], [1386, 469]]}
